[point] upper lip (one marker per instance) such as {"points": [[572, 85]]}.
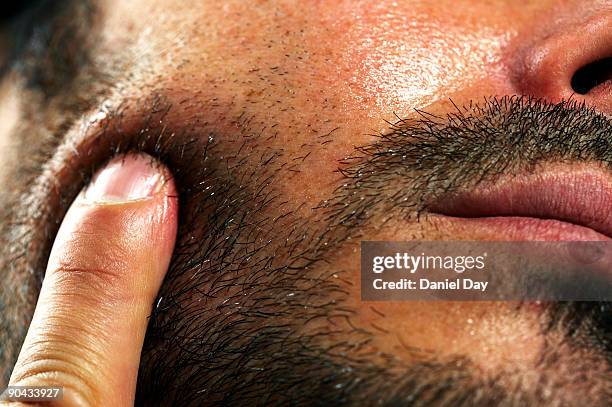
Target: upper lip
{"points": [[581, 196]]}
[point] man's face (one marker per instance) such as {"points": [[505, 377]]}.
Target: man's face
{"points": [[297, 129]]}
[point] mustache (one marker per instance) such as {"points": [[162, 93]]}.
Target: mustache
{"points": [[436, 155]]}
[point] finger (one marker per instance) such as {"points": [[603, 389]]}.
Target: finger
{"points": [[105, 269]]}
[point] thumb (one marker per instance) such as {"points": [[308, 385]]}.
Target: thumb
{"points": [[104, 271]]}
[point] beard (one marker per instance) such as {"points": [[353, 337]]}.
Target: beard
{"points": [[254, 310]]}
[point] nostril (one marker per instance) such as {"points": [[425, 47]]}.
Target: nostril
{"points": [[592, 75]]}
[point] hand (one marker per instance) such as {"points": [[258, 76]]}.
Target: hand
{"points": [[106, 266]]}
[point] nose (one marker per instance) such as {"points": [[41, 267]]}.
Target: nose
{"points": [[573, 61]]}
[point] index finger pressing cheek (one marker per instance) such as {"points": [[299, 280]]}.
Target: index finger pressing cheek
{"points": [[105, 269]]}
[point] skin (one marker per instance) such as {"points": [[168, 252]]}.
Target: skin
{"points": [[310, 82]]}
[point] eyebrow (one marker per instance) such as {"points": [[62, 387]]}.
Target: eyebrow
{"points": [[51, 44]]}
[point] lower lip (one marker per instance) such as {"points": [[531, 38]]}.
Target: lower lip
{"points": [[517, 228]]}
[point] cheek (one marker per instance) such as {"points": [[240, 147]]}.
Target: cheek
{"points": [[400, 57]]}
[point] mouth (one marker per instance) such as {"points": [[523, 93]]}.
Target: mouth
{"points": [[559, 203]]}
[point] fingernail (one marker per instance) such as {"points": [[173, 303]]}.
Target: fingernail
{"points": [[124, 179]]}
